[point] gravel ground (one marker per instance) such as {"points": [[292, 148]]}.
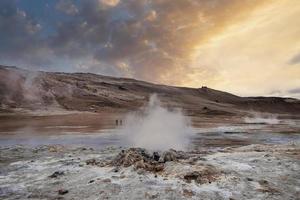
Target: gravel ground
{"points": [[60, 172]]}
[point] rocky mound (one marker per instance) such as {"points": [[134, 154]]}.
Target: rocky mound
{"points": [[141, 159], [168, 164]]}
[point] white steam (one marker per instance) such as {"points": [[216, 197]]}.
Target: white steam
{"points": [[261, 119], [157, 128]]}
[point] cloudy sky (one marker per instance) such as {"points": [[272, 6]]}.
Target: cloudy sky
{"points": [[249, 47]]}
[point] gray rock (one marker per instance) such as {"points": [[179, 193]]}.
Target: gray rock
{"points": [[57, 174], [63, 191]]}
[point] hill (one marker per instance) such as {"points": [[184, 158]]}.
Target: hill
{"points": [[29, 90]]}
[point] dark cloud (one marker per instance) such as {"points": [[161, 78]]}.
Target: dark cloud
{"points": [[295, 59], [19, 36], [294, 91], [67, 7], [151, 40]]}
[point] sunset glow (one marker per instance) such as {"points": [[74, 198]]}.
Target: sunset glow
{"points": [[246, 47]]}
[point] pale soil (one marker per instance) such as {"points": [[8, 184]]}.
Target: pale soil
{"points": [[247, 161], [249, 172]]}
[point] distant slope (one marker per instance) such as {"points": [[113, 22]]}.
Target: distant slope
{"points": [[90, 92]]}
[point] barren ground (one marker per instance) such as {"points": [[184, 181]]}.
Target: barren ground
{"points": [[235, 160], [250, 172], [58, 135]]}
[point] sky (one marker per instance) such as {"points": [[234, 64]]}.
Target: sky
{"points": [[249, 47]]}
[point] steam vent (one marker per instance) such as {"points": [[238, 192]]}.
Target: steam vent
{"points": [[149, 99]]}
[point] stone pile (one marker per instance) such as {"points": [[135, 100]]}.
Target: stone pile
{"points": [[140, 158]]}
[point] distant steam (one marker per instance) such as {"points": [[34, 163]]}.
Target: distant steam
{"points": [[258, 118], [157, 128], [27, 89]]}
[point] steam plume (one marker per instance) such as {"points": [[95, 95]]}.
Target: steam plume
{"points": [[261, 119], [157, 128]]}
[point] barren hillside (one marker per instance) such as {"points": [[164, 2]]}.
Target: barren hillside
{"points": [[22, 89]]}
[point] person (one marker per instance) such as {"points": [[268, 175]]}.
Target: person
{"points": [[117, 122], [121, 122]]}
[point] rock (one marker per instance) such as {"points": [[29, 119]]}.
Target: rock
{"points": [[150, 196], [91, 181], [55, 148], [249, 179], [116, 169], [192, 160], [141, 172], [63, 191], [172, 155], [122, 176], [94, 162], [154, 167], [206, 175], [129, 157], [138, 158], [263, 182], [156, 156], [57, 174], [266, 188], [192, 176], [140, 165], [107, 180], [168, 156], [258, 150], [188, 193], [122, 88], [91, 161], [115, 177], [169, 190]]}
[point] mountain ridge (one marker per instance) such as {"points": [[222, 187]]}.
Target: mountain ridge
{"points": [[33, 90]]}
